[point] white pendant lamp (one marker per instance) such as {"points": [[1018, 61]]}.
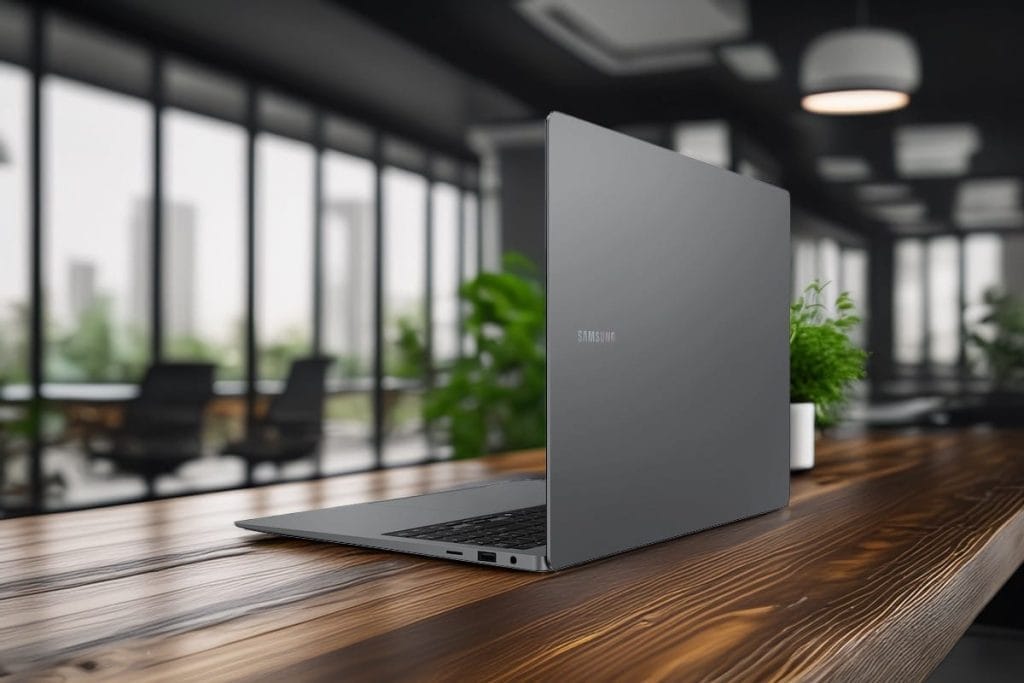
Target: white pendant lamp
{"points": [[860, 70]]}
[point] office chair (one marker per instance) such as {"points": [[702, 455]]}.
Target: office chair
{"points": [[292, 428], [162, 426]]}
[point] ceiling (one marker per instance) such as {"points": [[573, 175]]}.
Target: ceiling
{"points": [[314, 51], [971, 76]]}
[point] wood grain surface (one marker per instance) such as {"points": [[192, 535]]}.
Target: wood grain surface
{"points": [[888, 550]]}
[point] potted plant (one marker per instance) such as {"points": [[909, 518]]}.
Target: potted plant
{"points": [[823, 362], [999, 336], [492, 398]]}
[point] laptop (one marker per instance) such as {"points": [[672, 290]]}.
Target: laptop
{"points": [[667, 371]]}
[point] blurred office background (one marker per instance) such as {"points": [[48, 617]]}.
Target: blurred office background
{"points": [[234, 186]]}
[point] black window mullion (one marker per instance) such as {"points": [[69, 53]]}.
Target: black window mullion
{"points": [[36, 353], [157, 212], [251, 360], [460, 271], [378, 305], [962, 300], [428, 284], [926, 312], [318, 226], [479, 227]]}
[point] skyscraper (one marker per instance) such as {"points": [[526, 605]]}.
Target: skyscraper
{"points": [[81, 288], [179, 266]]}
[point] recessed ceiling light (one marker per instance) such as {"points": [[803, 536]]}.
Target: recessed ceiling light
{"points": [[640, 36], [936, 150], [751, 62], [900, 212], [989, 193], [882, 192], [909, 229], [843, 168], [862, 70], [989, 218]]}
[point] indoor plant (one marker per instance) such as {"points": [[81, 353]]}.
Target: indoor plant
{"points": [[493, 398], [823, 362], [999, 336]]}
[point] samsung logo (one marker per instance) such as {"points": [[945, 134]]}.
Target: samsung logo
{"points": [[595, 337]]}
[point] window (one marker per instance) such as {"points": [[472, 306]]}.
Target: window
{"points": [[14, 223], [854, 279], [98, 175], [908, 302], [470, 237], [404, 245], [347, 267], [805, 264], [347, 263], [983, 271], [204, 241], [445, 273], [470, 252], [284, 252], [829, 266], [943, 301]]}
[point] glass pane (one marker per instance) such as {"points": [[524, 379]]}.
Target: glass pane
{"points": [[204, 241], [943, 300], [347, 262], [828, 265], [404, 303], [983, 271], [805, 265], [470, 252], [347, 310], [855, 281], [284, 252], [14, 224], [14, 304], [97, 147], [470, 237], [908, 302], [445, 273]]}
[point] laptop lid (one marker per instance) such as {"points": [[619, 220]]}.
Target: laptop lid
{"points": [[667, 341]]}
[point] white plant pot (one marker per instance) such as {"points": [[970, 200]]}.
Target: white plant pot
{"points": [[801, 436]]}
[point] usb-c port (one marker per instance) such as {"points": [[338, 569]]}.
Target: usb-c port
{"points": [[484, 556], [454, 552]]}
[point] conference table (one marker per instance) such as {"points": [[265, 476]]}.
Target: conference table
{"points": [[888, 550]]}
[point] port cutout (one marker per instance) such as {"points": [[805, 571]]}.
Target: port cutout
{"points": [[512, 559], [484, 556], [454, 552]]}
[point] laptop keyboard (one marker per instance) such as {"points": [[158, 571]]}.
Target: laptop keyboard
{"points": [[515, 529]]}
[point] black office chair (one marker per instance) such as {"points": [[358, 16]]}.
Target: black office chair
{"points": [[292, 428], [162, 427]]}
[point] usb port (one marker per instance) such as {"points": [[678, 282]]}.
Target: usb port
{"points": [[454, 552], [484, 556]]}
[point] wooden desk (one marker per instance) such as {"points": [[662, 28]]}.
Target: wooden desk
{"points": [[888, 550]]}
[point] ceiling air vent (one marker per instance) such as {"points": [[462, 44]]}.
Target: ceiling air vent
{"points": [[640, 36]]}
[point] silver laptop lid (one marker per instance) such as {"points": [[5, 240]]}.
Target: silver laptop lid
{"points": [[667, 336]]}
